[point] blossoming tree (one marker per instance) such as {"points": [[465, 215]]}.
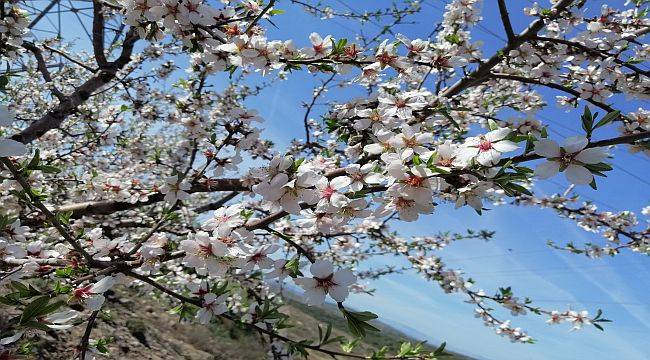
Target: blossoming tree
{"points": [[111, 178]]}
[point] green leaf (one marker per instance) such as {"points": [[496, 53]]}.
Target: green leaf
{"points": [[607, 119], [349, 346], [440, 351], [587, 121], [34, 309], [293, 266], [358, 322]]}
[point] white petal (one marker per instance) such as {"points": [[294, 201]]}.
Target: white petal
{"points": [[505, 146], [547, 169], [578, 175], [290, 204], [340, 182], [575, 143], [338, 200], [344, 277], [321, 269], [315, 296], [498, 134], [95, 302], [11, 339], [103, 285], [306, 283], [591, 156], [373, 148], [338, 293], [62, 316], [489, 157], [547, 148]]}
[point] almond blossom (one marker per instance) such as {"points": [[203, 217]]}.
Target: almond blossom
{"points": [[92, 295], [569, 158], [326, 281], [485, 149]]}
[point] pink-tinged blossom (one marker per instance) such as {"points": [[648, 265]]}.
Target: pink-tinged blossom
{"points": [[205, 254], [212, 305], [92, 295], [225, 218], [485, 149], [289, 193], [257, 257], [330, 192], [569, 158], [326, 281], [175, 189]]}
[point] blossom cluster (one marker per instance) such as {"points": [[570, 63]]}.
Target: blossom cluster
{"points": [[13, 27]]}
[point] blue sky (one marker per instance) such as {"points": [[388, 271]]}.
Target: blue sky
{"points": [[517, 256]]}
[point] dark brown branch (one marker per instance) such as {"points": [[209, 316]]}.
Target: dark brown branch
{"points": [[55, 117], [505, 19], [484, 69], [42, 67], [83, 347], [260, 16], [98, 34]]}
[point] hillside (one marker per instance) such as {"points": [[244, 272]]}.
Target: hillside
{"points": [[142, 331]]}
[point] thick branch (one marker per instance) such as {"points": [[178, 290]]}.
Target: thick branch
{"points": [[484, 69], [505, 19], [98, 34], [55, 117], [42, 67]]}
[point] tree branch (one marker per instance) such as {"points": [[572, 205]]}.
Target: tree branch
{"points": [[98, 34], [484, 69], [505, 19]]}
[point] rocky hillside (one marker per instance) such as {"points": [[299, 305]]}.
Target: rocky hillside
{"points": [[141, 331]]}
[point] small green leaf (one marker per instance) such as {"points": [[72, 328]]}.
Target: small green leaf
{"points": [[34, 309]]}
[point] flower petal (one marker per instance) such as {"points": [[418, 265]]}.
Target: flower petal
{"points": [[547, 169], [339, 293], [498, 134], [575, 143], [578, 175], [340, 182], [547, 148], [344, 277], [591, 156], [321, 269]]}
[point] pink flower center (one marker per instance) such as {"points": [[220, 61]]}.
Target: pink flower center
{"points": [[415, 181], [485, 145], [205, 250], [328, 192], [325, 283], [82, 293], [402, 203]]}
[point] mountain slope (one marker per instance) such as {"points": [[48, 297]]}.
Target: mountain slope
{"points": [[141, 329]]}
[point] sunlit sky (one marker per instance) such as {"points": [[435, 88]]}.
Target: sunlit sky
{"points": [[517, 256]]}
